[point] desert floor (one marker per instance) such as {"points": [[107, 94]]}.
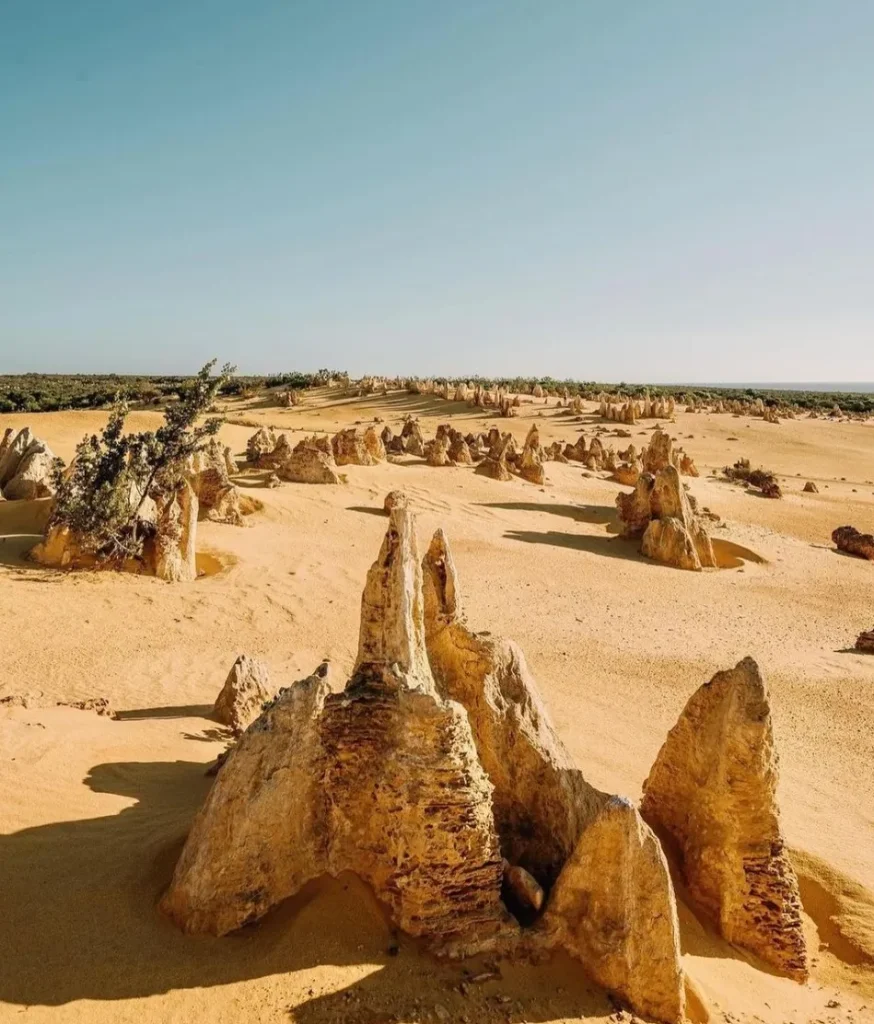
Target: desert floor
{"points": [[93, 811]]}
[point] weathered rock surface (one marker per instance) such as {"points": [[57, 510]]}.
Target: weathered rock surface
{"points": [[810, 488], [436, 758], [613, 907], [245, 690], [660, 510], [848, 538], [395, 499], [381, 779], [531, 462], [261, 443], [307, 464], [713, 790], [26, 464], [353, 447], [566, 834], [170, 553], [218, 499]]}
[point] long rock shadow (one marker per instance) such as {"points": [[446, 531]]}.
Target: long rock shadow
{"points": [[80, 922], [169, 711], [609, 547], [598, 515]]}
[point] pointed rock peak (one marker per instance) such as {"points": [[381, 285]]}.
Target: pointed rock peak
{"points": [[713, 790], [392, 621], [442, 600]]}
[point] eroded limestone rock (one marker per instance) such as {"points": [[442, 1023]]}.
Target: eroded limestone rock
{"points": [[661, 512], [245, 690], [169, 554], [713, 790], [381, 779], [531, 462], [26, 465], [551, 822], [307, 464]]}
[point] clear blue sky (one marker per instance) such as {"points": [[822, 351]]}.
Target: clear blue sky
{"points": [[639, 190]]}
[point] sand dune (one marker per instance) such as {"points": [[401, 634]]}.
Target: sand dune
{"points": [[93, 811]]}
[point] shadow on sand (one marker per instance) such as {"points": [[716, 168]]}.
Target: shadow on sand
{"points": [[80, 921]]}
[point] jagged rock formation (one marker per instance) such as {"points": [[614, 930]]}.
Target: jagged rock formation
{"points": [[495, 464], [26, 464], [659, 510], [437, 452], [411, 436], [848, 538], [436, 758], [356, 448], [381, 779], [218, 499], [611, 901], [261, 443], [713, 790], [531, 462], [169, 553], [309, 464], [245, 690]]}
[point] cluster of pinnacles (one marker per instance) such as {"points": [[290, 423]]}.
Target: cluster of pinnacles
{"points": [[436, 776]]}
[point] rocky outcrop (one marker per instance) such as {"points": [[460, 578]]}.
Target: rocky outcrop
{"points": [[660, 512], [713, 790], [613, 907], [245, 690], [531, 462], [611, 902], [810, 488], [169, 553], [436, 759], [437, 452], [381, 779], [307, 464], [848, 538], [411, 435], [218, 499], [261, 443], [26, 467]]}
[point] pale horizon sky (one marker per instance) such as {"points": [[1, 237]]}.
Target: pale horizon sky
{"points": [[661, 192]]}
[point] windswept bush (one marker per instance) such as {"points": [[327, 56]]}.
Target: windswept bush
{"points": [[103, 498], [763, 479]]}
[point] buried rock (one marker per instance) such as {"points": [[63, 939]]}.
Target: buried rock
{"points": [[421, 781], [712, 789]]}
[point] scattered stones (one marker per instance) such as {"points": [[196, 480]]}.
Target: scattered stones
{"points": [[762, 479], [245, 690], [848, 538], [713, 790]]}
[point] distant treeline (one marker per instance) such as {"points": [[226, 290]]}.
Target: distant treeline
{"points": [[48, 392], [42, 392]]}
